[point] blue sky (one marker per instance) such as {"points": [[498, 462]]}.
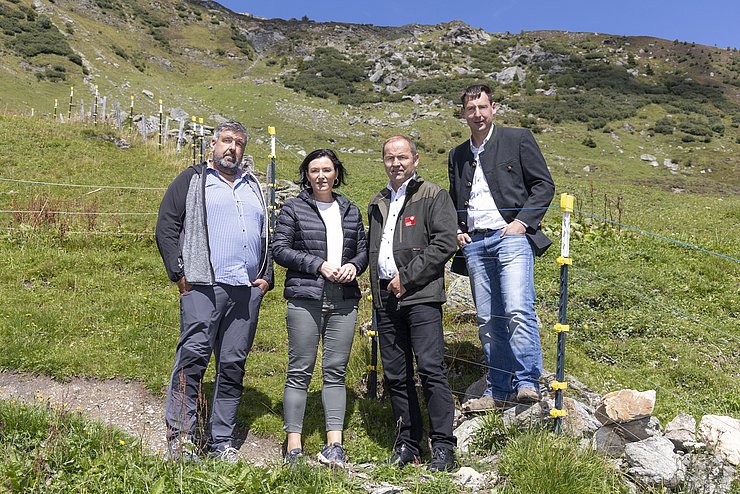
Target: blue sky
{"points": [[709, 22]]}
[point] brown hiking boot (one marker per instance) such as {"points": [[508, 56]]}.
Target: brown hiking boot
{"points": [[485, 403], [528, 395]]}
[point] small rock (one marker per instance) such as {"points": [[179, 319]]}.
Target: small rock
{"points": [[681, 431], [625, 405], [648, 157], [147, 93]]}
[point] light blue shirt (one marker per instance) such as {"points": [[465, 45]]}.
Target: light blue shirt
{"points": [[235, 219]]}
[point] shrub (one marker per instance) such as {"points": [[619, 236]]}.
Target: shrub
{"points": [[330, 73], [242, 42], [445, 87], [663, 126], [589, 142]]}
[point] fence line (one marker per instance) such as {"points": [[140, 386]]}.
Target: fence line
{"points": [[662, 237], [125, 187], [88, 232], [645, 378], [673, 311], [79, 213]]}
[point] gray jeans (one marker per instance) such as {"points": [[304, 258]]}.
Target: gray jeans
{"points": [[331, 319], [222, 320]]}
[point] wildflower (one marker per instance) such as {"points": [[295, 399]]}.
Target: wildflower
{"points": [[121, 442], [29, 314]]}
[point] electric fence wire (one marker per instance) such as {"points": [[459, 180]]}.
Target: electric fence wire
{"points": [[76, 213], [122, 187], [662, 237], [90, 232], [652, 301], [614, 361]]}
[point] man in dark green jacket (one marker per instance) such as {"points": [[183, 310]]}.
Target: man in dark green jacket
{"points": [[412, 235]]}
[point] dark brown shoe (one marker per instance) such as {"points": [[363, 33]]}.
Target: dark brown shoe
{"points": [[485, 403], [528, 395]]}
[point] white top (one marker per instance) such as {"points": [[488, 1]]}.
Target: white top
{"points": [[482, 210], [387, 268], [334, 234]]}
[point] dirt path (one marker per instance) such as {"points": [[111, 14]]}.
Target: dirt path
{"points": [[123, 404]]}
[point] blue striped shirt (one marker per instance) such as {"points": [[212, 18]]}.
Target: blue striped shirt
{"points": [[235, 219]]}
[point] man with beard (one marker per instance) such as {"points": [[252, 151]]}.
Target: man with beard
{"points": [[212, 236]]}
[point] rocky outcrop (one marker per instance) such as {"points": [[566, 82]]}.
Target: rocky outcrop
{"points": [[620, 426]]}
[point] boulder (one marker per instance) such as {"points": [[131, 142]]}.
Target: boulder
{"points": [[722, 437], [147, 93], [653, 462], [376, 76], [607, 441], [179, 114], [681, 431], [625, 405], [506, 76], [637, 430], [647, 157]]}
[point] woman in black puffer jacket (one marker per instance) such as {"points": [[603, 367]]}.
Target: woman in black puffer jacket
{"points": [[319, 237]]}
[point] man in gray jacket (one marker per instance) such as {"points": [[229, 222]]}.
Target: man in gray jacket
{"points": [[411, 237], [212, 236]]}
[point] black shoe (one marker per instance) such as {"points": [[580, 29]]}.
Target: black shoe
{"points": [[403, 456], [443, 460]]}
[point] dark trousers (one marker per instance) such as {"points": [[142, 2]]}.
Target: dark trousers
{"points": [[408, 332], [222, 320]]}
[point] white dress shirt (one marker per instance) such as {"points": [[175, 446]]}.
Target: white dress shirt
{"points": [[387, 268], [482, 210]]}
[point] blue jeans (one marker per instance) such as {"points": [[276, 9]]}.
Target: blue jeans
{"points": [[501, 274]]}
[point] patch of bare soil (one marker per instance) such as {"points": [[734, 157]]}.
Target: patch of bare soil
{"points": [[123, 404]]}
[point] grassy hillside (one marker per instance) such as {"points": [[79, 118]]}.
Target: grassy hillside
{"points": [[83, 288]]}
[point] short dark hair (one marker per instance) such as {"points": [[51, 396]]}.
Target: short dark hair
{"points": [[474, 92], [411, 144], [234, 127], [322, 153]]}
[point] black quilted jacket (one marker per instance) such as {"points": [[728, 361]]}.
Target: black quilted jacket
{"points": [[299, 244]]}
